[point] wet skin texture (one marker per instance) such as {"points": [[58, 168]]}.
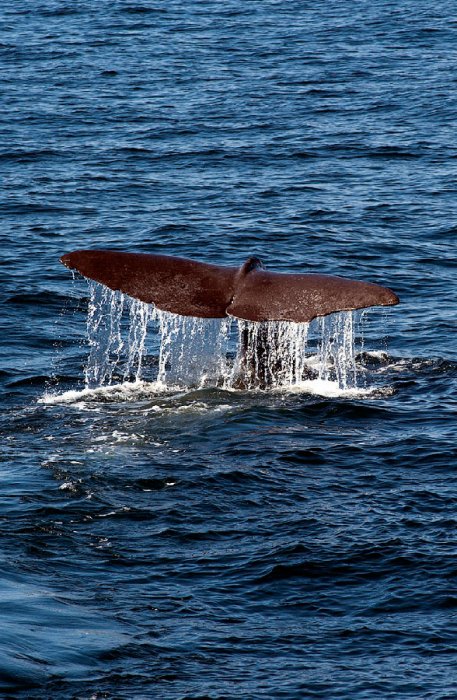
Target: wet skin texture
{"points": [[191, 288]]}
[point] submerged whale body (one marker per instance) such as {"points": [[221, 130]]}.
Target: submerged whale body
{"points": [[191, 288]]}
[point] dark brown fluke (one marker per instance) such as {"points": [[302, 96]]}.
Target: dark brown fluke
{"points": [[177, 285], [191, 288]]}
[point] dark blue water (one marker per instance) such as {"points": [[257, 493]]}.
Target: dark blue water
{"points": [[206, 543]]}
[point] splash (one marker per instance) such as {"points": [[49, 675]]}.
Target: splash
{"points": [[130, 341]]}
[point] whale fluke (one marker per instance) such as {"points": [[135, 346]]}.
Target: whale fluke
{"points": [[250, 292]]}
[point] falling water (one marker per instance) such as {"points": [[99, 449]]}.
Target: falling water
{"points": [[272, 353], [231, 353], [337, 349], [193, 351], [116, 330], [104, 317]]}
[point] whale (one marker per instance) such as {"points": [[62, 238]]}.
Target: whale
{"points": [[249, 291]]}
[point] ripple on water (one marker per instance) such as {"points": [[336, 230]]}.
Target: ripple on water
{"points": [[40, 629]]}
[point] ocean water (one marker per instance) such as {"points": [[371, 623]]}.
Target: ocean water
{"points": [[184, 538]]}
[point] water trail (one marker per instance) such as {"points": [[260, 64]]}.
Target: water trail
{"points": [[140, 314], [197, 352], [116, 344], [103, 334], [337, 349], [193, 351]]}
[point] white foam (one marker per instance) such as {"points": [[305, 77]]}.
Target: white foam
{"points": [[136, 391], [329, 389], [126, 391]]}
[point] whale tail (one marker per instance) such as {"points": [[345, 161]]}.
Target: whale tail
{"points": [[250, 292]]}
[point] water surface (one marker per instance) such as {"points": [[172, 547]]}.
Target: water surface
{"points": [[206, 542]]}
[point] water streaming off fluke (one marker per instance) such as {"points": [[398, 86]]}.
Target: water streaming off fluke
{"points": [[131, 341]]}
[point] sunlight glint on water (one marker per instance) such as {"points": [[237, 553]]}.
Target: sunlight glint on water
{"points": [[198, 352]]}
